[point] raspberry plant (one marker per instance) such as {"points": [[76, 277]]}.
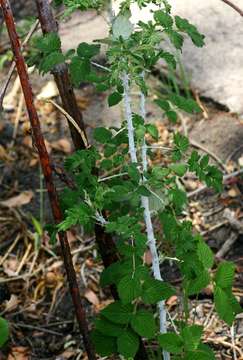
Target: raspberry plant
{"points": [[128, 193]]}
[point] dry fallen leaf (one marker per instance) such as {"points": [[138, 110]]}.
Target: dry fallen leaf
{"points": [[4, 156], [12, 304], [62, 145], [19, 353], [22, 199], [48, 91], [91, 297]]}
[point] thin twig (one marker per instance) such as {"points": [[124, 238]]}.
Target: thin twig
{"points": [[47, 171], [235, 7], [12, 67]]}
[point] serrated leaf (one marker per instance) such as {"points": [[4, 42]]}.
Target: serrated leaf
{"points": [[205, 254], [122, 27], [191, 30], [169, 59], [108, 328], [4, 331], [118, 313], [172, 116], [223, 306], [163, 104], [163, 19], [88, 50], [128, 344], [153, 131], [134, 173], [188, 105], [102, 135], [225, 275], [171, 342], [191, 336], [179, 169], [200, 282], [156, 290], [176, 39], [49, 43], [114, 98], [178, 198], [50, 61], [129, 289], [79, 69], [143, 324], [104, 345]]}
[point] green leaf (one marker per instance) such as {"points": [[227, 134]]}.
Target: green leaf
{"points": [[188, 105], [191, 30], [163, 104], [79, 69], [172, 116], [191, 336], [108, 328], [224, 306], [205, 254], [102, 135], [153, 131], [114, 98], [50, 61], [156, 290], [122, 27], [134, 173], [143, 324], [4, 331], [179, 169], [160, 173], [104, 345], [198, 283], [163, 19], [169, 59], [88, 50], [128, 344], [178, 198], [118, 313], [225, 275], [49, 43], [129, 288], [175, 38], [171, 342]]}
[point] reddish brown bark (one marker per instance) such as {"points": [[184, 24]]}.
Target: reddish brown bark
{"points": [[47, 171]]}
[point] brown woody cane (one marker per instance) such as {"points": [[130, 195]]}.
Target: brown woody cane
{"points": [[47, 171]]}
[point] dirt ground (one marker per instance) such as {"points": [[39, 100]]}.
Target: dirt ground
{"points": [[33, 288]]}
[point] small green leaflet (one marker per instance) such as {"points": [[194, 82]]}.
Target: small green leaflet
{"points": [[176, 39], [225, 275], [226, 305], [205, 254], [118, 312], [188, 105], [156, 290], [122, 27], [104, 345], [191, 336], [129, 288], [171, 342], [191, 30], [79, 69], [108, 328], [153, 131], [163, 104], [49, 43], [88, 50], [179, 169], [143, 324], [50, 61], [4, 331], [163, 19], [134, 173], [114, 98], [128, 344], [102, 135]]}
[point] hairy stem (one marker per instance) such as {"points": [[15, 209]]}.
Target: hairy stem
{"points": [[144, 200]]}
